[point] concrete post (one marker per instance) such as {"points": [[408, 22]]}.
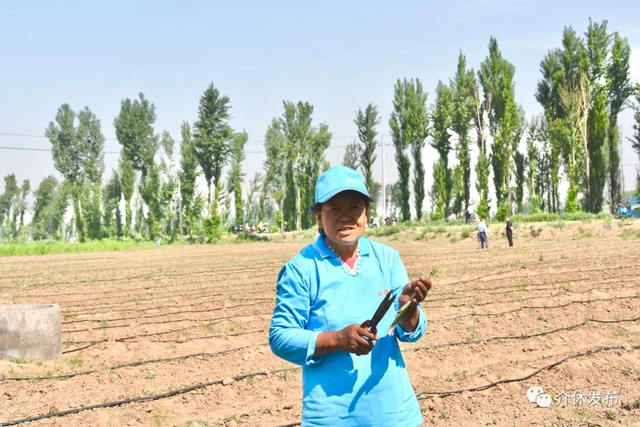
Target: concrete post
{"points": [[31, 331]]}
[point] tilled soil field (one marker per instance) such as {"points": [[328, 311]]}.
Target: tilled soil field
{"points": [[178, 336]]}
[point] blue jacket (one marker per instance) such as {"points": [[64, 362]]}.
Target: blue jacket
{"points": [[315, 295]]}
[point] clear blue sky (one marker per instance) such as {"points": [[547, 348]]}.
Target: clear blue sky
{"points": [[338, 55]]}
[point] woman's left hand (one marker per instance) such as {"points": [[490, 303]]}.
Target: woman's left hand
{"points": [[420, 287]]}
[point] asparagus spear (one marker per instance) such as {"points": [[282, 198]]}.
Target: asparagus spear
{"points": [[432, 273]]}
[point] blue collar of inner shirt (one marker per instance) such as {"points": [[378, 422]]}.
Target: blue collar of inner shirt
{"points": [[325, 251]]}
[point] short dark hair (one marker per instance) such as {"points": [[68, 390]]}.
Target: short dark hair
{"points": [[317, 208]]}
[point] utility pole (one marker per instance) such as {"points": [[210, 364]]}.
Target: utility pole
{"points": [[621, 171], [384, 196], [180, 208]]}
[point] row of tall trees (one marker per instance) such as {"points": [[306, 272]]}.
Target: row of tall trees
{"points": [[160, 195], [474, 123], [584, 86]]}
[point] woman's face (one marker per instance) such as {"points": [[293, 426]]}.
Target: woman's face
{"points": [[343, 218]]}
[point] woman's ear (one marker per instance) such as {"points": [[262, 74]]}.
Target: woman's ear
{"points": [[319, 217]]}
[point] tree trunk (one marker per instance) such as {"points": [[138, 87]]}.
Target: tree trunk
{"points": [[298, 211], [281, 208], [77, 207]]}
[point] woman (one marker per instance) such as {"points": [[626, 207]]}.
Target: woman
{"points": [[350, 375]]}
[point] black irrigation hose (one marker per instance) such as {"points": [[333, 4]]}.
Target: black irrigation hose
{"points": [[73, 350], [178, 320], [531, 287], [160, 322], [140, 399], [525, 287], [207, 322], [130, 365], [526, 377], [120, 319], [509, 380], [151, 334], [478, 304], [237, 334], [91, 344], [533, 307], [149, 276], [213, 336], [520, 337], [241, 377], [191, 294]]}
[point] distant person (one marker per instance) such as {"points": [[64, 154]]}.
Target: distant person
{"points": [[469, 214], [509, 231], [483, 240]]}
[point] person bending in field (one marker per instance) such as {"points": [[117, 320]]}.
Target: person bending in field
{"points": [[350, 376]]}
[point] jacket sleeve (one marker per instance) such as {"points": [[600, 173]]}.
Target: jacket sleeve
{"points": [[399, 278], [288, 336]]}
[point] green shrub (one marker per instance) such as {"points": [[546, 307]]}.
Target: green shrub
{"points": [[383, 231], [212, 228], [250, 237], [54, 247], [630, 234], [274, 228], [567, 216]]}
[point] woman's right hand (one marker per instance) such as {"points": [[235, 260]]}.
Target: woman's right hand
{"points": [[352, 340], [349, 339]]}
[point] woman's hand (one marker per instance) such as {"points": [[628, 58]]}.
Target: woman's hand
{"points": [[352, 340], [418, 287]]}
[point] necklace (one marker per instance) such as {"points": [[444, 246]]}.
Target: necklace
{"points": [[356, 267]]}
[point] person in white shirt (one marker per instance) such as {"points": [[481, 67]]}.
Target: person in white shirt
{"points": [[468, 216], [483, 240]]}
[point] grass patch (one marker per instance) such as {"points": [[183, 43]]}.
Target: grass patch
{"points": [[159, 417], [53, 247], [383, 231], [630, 234], [630, 406], [550, 217], [76, 362]]}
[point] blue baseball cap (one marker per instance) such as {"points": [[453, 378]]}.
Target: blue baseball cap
{"points": [[338, 179]]}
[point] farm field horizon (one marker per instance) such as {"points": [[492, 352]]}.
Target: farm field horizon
{"points": [[155, 322]]}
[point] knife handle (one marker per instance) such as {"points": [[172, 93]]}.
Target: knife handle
{"points": [[366, 325]]}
